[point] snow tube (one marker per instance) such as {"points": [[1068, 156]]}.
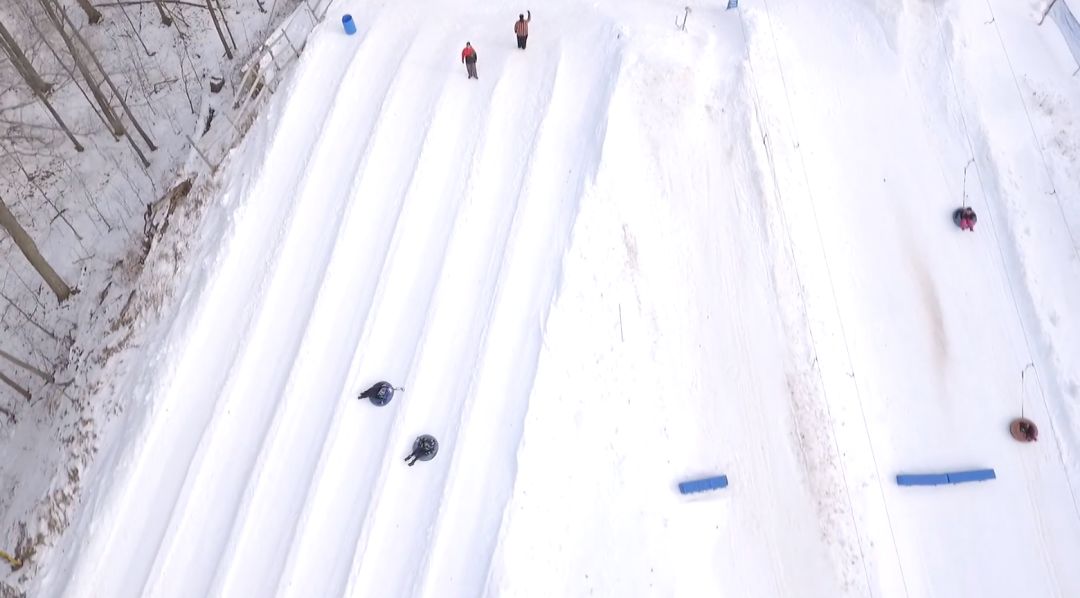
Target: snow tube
{"points": [[380, 394], [1023, 429], [424, 449], [958, 215]]}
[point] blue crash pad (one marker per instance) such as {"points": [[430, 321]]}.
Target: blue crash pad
{"points": [[938, 479], [713, 483], [922, 479], [976, 475]]}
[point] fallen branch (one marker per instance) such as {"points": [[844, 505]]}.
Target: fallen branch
{"points": [[135, 2], [685, 16], [15, 562]]}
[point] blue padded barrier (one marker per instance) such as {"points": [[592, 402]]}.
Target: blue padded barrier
{"points": [[938, 479], [704, 484], [976, 475], [920, 479]]}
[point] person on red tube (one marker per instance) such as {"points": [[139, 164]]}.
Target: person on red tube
{"points": [[521, 29], [468, 56], [965, 218]]}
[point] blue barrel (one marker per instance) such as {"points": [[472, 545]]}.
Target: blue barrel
{"points": [[350, 26]]}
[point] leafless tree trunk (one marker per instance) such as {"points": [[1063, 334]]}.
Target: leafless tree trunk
{"points": [[26, 366], [64, 65], [59, 213], [166, 19], [22, 63], [217, 26], [28, 318], [59, 120], [53, 11], [183, 77], [225, 21], [112, 86], [67, 69], [138, 35], [91, 13], [14, 385], [29, 249]]}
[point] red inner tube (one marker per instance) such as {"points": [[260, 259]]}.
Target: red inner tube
{"points": [[1024, 430]]}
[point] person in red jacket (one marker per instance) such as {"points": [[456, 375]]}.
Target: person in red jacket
{"points": [[521, 29], [468, 56]]}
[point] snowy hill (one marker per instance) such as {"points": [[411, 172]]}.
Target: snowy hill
{"points": [[627, 256]]}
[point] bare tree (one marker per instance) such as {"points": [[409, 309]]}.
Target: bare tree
{"points": [[112, 86], [166, 18], [21, 62], [217, 26], [47, 377], [30, 319], [60, 121], [91, 13], [29, 249], [39, 91], [67, 69], [53, 12], [15, 386], [225, 21], [135, 30], [58, 18], [33, 182]]}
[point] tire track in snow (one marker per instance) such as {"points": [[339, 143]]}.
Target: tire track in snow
{"points": [[382, 563], [406, 285], [1032, 475], [483, 461], [132, 532], [214, 495], [838, 458], [290, 450]]}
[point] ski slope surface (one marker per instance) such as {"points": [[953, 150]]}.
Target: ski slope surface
{"points": [[629, 256]]}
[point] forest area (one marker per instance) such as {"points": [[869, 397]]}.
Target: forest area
{"points": [[115, 116]]}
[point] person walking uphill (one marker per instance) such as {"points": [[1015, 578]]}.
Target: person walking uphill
{"points": [[468, 56], [521, 29]]}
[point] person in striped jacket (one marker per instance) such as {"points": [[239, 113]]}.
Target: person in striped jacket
{"points": [[521, 29]]}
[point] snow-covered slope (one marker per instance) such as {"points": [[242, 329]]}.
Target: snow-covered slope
{"points": [[627, 256]]}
